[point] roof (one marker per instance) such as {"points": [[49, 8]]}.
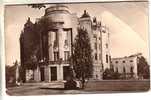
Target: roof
{"points": [[85, 14], [131, 56]]}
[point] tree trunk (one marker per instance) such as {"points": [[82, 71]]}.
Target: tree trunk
{"points": [[83, 81]]}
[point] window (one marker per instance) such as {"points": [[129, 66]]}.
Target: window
{"points": [[66, 44], [56, 56], [66, 36], [96, 56], [66, 55], [95, 46], [95, 38], [103, 30], [131, 60], [124, 70], [95, 43], [100, 46], [55, 37], [100, 56], [116, 61], [132, 69], [116, 69], [106, 45], [110, 58], [123, 61], [107, 59]]}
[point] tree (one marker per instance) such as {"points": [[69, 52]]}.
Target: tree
{"points": [[29, 40], [82, 58], [143, 68], [10, 73], [41, 28]]}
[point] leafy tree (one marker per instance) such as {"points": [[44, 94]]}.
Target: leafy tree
{"points": [[29, 45], [33, 44], [41, 29], [143, 68], [82, 58], [10, 73]]}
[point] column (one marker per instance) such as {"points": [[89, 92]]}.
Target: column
{"points": [[60, 35], [59, 73], [50, 44], [46, 68], [37, 74]]}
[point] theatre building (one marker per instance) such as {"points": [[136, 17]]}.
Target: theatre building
{"points": [[57, 43]]}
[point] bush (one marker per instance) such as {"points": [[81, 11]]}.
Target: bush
{"points": [[109, 74], [70, 84]]}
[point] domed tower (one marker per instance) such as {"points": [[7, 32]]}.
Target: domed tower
{"points": [[59, 41], [85, 22]]}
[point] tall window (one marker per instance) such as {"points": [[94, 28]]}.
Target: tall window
{"points": [[100, 56], [116, 69], [107, 59], [95, 46], [95, 43], [66, 55], [124, 70], [100, 46], [132, 69], [96, 56], [106, 45], [56, 56], [55, 37], [110, 58], [66, 36]]}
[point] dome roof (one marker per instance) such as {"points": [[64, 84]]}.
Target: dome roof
{"points": [[55, 8]]}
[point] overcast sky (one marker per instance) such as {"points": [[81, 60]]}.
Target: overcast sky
{"points": [[127, 22]]}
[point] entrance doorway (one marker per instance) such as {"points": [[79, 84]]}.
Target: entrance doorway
{"points": [[66, 72], [53, 73], [42, 74]]}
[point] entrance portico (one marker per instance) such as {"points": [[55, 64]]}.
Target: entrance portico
{"points": [[54, 72]]}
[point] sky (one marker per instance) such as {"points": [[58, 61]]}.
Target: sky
{"points": [[127, 22]]}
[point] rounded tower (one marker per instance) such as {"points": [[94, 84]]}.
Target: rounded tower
{"points": [[59, 39]]}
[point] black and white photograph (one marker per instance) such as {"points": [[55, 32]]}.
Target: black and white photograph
{"points": [[76, 48]]}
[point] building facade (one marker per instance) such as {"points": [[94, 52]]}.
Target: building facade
{"points": [[127, 66], [57, 44]]}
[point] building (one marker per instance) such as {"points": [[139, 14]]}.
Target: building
{"points": [[56, 44], [127, 66]]}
